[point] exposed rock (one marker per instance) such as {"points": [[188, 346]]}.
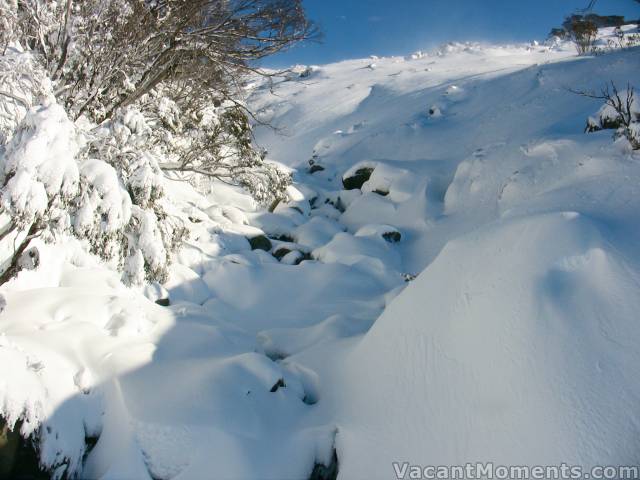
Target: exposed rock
{"points": [[409, 277], [295, 257], [279, 384], [282, 238], [358, 178], [261, 242], [338, 204], [316, 168], [326, 472], [392, 237], [163, 302], [280, 252]]}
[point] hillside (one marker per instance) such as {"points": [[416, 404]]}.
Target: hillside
{"points": [[454, 277]]}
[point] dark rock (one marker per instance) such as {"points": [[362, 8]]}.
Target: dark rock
{"points": [[326, 472], [382, 193], [275, 355], [409, 277], [30, 259], [392, 237], [316, 168], [280, 252], [163, 302], [279, 384], [282, 238], [309, 399], [337, 204], [260, 242], [304, 256], [358, 179]]}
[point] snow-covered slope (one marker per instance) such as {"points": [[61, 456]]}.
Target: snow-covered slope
{"points": [[516, 343]]}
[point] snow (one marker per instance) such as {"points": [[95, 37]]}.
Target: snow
{"points": [[107, 199], [495, 355], [185, 285], [317, 231], [516, 343], [39, 162], [24, 84]]}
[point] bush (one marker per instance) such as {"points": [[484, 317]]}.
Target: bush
{"points": [[620, 112], [52, 187], [583, 33]]}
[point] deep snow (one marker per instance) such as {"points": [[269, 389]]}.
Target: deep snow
{"points": [[516, 344]]}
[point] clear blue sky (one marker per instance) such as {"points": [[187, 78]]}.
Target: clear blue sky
{"points": [[359, 28]]}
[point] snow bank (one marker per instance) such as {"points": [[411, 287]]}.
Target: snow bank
{"points": [[504, 351]]}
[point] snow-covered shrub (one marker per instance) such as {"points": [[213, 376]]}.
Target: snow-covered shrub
{"points": [[40, 179], [620, 112], [107, 192], [138, 233], [214, 141], [23, 84], [606, 118]]}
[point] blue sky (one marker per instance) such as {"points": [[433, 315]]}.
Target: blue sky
{"points": [[359, 28]]}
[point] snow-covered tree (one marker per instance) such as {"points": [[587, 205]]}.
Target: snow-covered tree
{"points": [[99, 185], [23, 84], [136, 231], [40, 179], [216, 142], [184, 59], [52, 185], [152, 86]]}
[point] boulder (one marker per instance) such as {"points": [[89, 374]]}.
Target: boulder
{"points": [[260, 242], [357, 179]]}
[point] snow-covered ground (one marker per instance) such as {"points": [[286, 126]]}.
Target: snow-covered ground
{"points": [[517, 343]]}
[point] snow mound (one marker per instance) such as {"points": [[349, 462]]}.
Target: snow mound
{"points": [[504, 351]]}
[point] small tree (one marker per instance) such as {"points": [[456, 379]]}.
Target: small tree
{"points": [[185, 56], [583, 33]]}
